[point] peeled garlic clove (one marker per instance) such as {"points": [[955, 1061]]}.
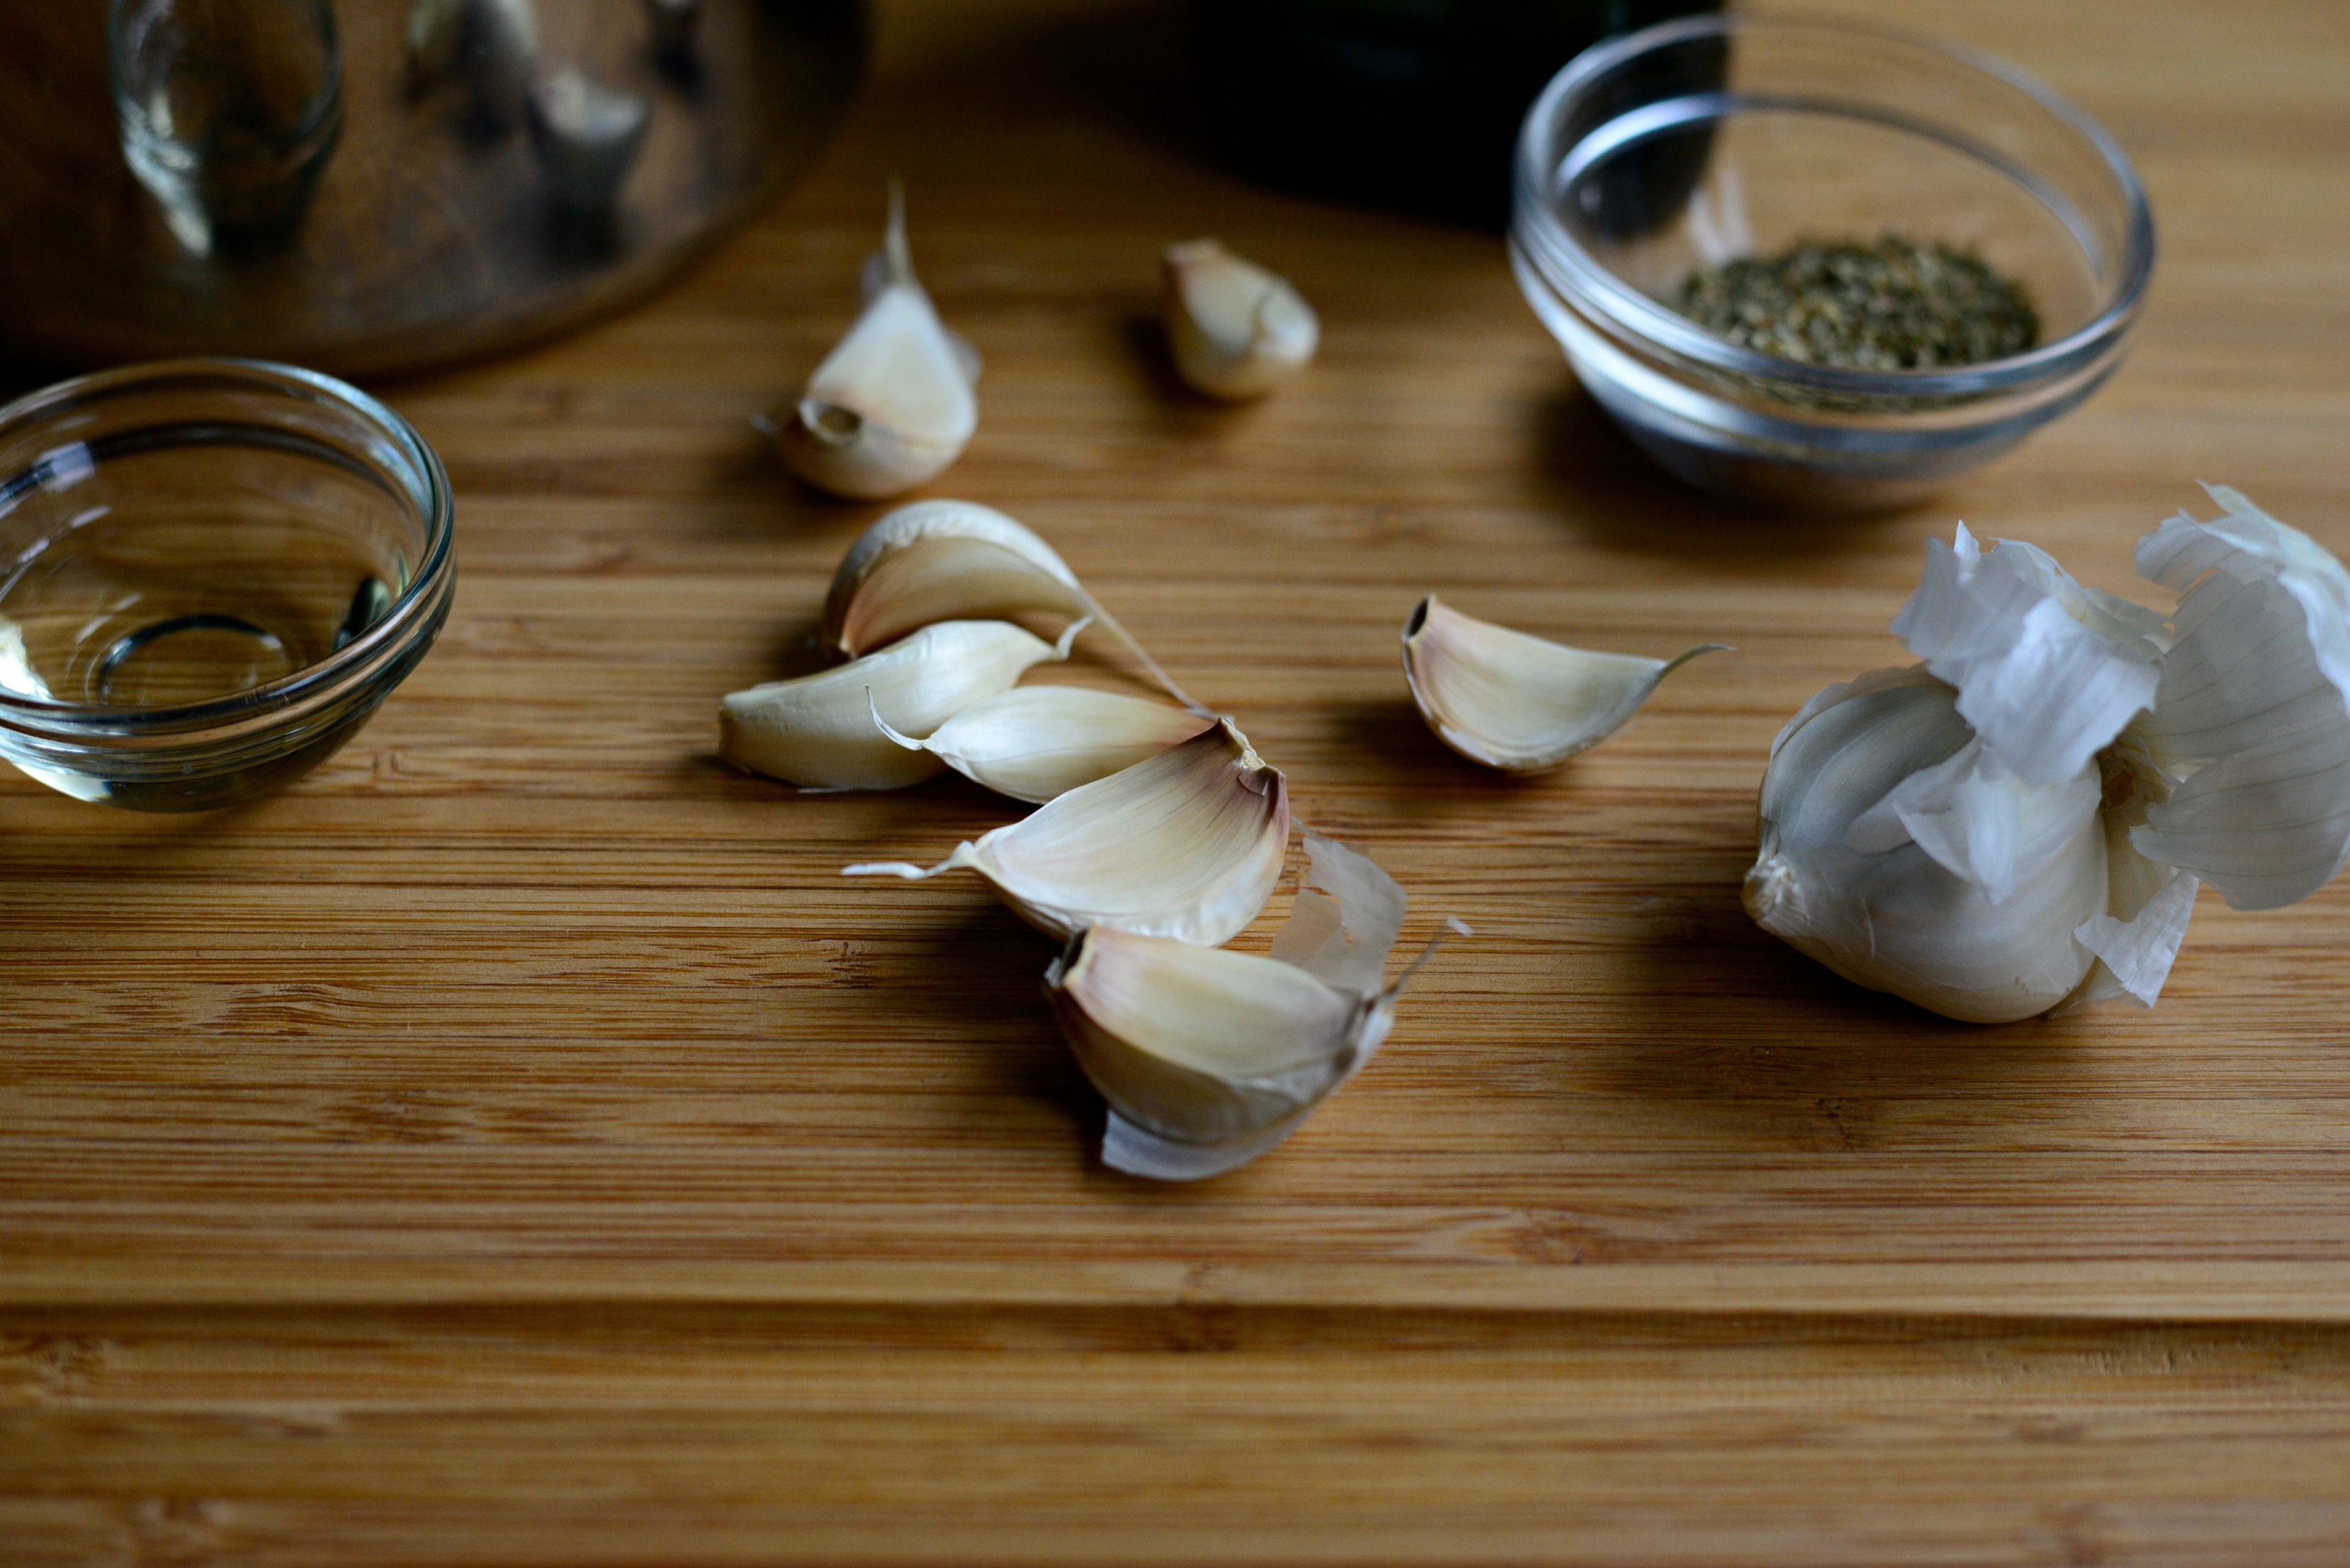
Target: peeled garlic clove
{"points": [[891, 405], [817, 730], [1842, 878], [1237, 331], [937, 560], [1519, 702], [2254, 706], [2048, 671], [1034, 742], [1210, 1057], [1187, 845]]}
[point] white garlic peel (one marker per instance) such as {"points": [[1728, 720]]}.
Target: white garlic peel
{"points": [[1236, 330], [1516, 701], [1034, 742], [1187, 845], [1208, 1058], [2020, 824], [817, 730], [938, 560], [891, 406]]}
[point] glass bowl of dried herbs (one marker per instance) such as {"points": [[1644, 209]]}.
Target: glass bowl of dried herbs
{"points": [[1821, 265]]}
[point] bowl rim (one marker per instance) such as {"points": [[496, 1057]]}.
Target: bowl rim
{"points": [[409, 614], [1537, 229]]}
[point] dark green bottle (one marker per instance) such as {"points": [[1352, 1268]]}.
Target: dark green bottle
{"points": [[1412, 105]]}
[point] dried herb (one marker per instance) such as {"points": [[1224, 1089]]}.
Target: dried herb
{"points": [[1895, 305]]}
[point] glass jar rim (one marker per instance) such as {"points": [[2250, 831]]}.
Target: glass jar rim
{"points": [[1537, 231], [412, 611]]}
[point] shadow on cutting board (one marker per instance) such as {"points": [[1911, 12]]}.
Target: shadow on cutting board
{"points": [[1616, 495]]}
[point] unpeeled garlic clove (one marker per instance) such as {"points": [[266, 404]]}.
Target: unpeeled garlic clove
{"points": [[935, 560], [1236, 330], [817, 730], [1210, 1057], [1204, 1049], [1187, 845], [1034, 742], [891, 405], [1519, 702]]}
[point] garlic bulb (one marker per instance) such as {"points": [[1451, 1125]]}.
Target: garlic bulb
{"points": [[1210, 1057], [2020, 824], [891, 405], [1187, 845], [1519, 702], [937, 560], [1236, 330], [817, 730], [1034, 742]]}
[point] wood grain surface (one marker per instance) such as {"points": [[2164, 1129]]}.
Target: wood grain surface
{"points": [[516, 1143]]}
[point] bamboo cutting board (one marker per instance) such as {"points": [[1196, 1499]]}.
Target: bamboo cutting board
{"points": [[517, 1144]]}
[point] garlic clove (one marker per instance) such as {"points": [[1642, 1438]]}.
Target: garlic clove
{"points": [[942, 560], [1187, 845], [937, 560], [1201, 1045], [1976, 820], [2048, 671], [1034, 742], [1886, 913], [891, 406], [1515, 701], [1236, 330], [817, 730], [1208, 1058], [2254, 706]]}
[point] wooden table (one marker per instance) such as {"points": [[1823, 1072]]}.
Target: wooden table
{"points": [[516, 1144]]}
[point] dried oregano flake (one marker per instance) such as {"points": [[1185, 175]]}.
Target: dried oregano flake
{"points": [[1895, 305]]}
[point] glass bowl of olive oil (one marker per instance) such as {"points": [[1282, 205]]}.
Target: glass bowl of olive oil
{"points": [[210, 572], [1822, 264]]}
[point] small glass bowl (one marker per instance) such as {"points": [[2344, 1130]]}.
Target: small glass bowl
{"points": [[211, 572], [1689, 143]]}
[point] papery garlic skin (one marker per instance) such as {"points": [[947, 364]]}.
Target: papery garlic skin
{"points": [[936, 560], [1236, 330], [817, 730], [2254, 712], [1881, 908], [1036, 743], [2048, 671], [1515, 701], [1187, 845], [891, 407]]}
